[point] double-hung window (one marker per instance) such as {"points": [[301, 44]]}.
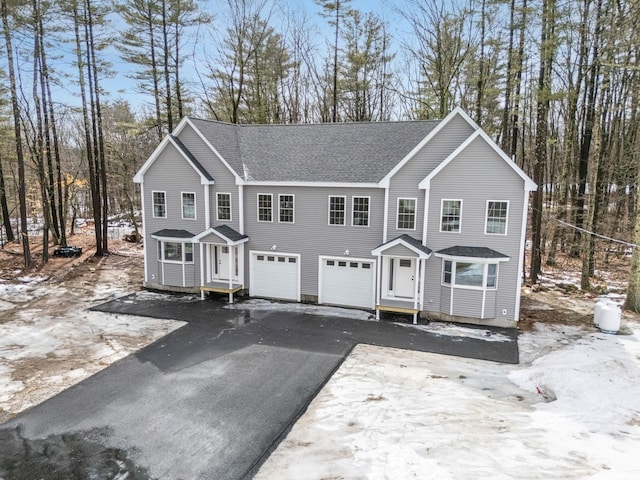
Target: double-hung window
{"points": [[496, 223], [360, 216], [406, 214], [265, 207], [450, 215], [286, 208], [337, 207], [188, 205], [224, 206], [159, 204]]}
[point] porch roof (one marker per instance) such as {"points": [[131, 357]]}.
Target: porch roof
{"points": [[225, 233], [409, 242], [172, 234], [472, 252]]}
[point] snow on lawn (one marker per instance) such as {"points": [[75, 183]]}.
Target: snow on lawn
{"points": [[571, 409]]}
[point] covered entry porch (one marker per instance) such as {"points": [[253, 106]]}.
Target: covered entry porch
{"points": [[400, 276], [221, 260]]}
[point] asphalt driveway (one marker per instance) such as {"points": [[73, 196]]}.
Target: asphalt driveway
{"points": [[208, 401]]}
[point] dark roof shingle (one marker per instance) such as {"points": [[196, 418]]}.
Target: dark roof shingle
{"points": [[472, 252], [172, 233], [322, 152]]}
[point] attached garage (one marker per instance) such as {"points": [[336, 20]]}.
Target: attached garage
{"points": [[275, 275], [347, 281]]}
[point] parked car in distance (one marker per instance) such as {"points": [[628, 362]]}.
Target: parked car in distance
{"points": [[67, 252]]}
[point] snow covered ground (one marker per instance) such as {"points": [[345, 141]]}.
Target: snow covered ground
{"points": [[50, 341], [570, 410]]}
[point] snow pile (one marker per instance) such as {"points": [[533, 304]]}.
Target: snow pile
{"points": [[397, 414], [453, 330]]}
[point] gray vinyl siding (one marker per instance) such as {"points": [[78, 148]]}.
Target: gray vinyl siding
{"points": [[445, 300], [475, 176], [311, 235], [404, 184], [225, 181], [467, 302], [172, 174]]}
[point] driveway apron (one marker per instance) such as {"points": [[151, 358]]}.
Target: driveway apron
{"points": [[208, 401]]}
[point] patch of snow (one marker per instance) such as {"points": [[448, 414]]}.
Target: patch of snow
{"points": [[302, 308], [398, 414], [451, 330]]}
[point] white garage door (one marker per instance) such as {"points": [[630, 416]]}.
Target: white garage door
{"points": [[347, 282], [274, 275]]}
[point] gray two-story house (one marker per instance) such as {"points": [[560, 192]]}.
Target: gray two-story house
{"points": [[421, 217]]}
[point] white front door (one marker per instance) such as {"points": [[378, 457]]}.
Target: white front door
{"points": [[404, 277], [222, 262]]}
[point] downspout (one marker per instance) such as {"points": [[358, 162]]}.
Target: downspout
{"points": [[426, 216], [378, 286], [241, 208], [202, 268], [415, 290], [144, 228]]}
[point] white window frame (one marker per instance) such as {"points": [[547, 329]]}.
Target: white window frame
{"points": [[293, 209], [415, 213], [184, 261], [153, 203], [218, 207], [270, 195], [353, 210], [344, 211], [485, 271], [195, 214], [442, 212], [486, 218]]}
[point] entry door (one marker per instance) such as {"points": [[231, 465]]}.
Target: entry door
{"points": [[222, 259], [404, 277]]}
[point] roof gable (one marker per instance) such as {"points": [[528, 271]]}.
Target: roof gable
{"points": [[529, 184], [221, 232], [205, 177], [457, 112], [406, 241]]}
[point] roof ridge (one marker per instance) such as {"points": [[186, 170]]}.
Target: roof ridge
{"points": [[313, 124]]}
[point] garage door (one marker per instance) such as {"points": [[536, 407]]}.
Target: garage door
{"points": [[347, 282], [274, 276]]}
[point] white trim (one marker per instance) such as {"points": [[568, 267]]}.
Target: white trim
{"points": [[274, 254], [374, 269], [529, 184], [422, 283], [457, 111], [230, 219], [415, 214], [378, 284], [293, 213], [344, 211], [399, 241], [425, 217], [241, 209], [353, 203], [153, 204], [258, 207], [187, 121], [291, 183], [183, 241], [202, 270], [213, 231], [144, 250], [207, 206], [506, 220], [195, 205], [523, 236], [385, 226], [139, 176], [442, 200]]}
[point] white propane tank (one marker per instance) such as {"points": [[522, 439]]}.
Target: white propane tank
{"points": [[609, 318], [597, 314]]}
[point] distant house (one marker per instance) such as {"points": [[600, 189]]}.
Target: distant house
{"points": [[421, 217]]}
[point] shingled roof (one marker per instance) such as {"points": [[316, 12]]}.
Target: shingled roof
{"points": [[324, 152]]}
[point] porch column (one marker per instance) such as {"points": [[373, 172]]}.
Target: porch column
{"points": [[378, 285], [202, 267], [231, 255], [415, 291]]}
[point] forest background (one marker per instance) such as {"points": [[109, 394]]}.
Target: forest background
{"points": [[88, 88]]}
